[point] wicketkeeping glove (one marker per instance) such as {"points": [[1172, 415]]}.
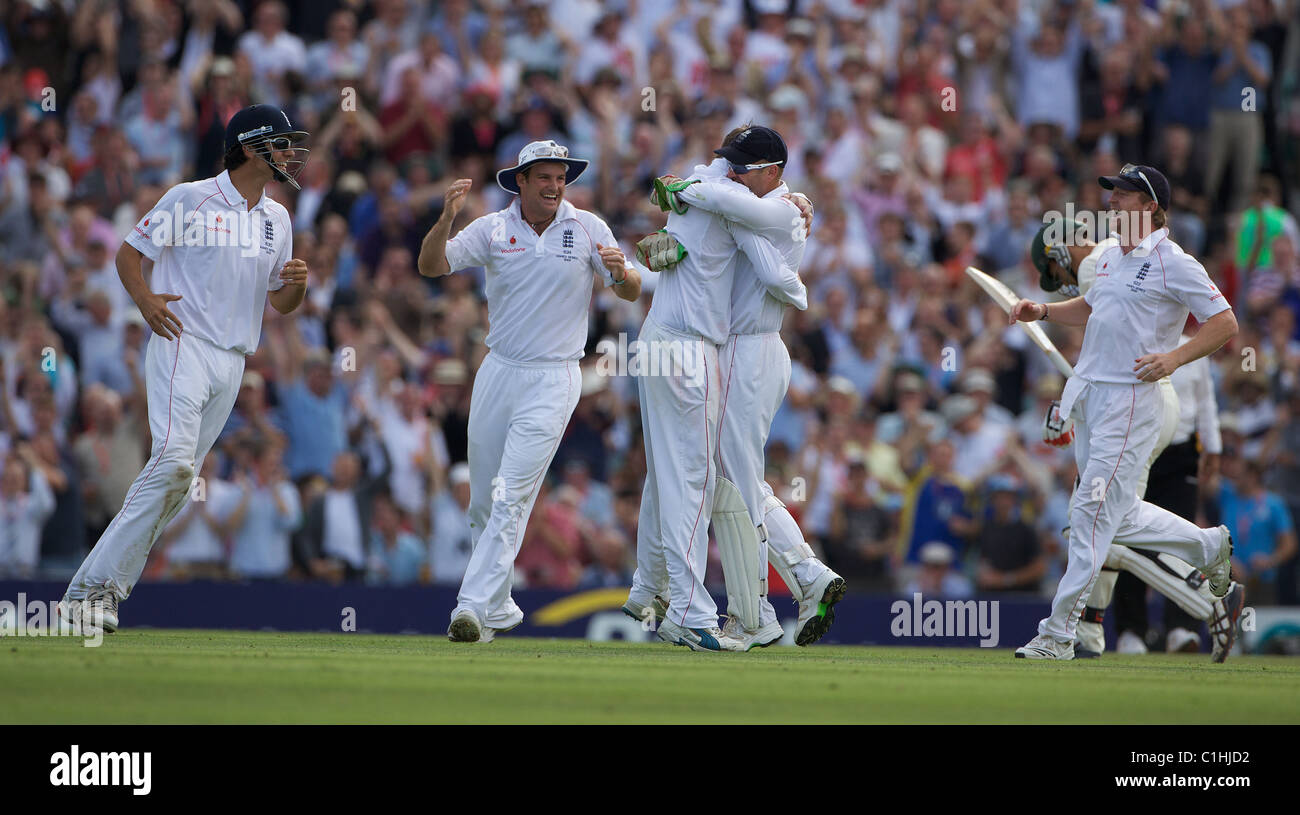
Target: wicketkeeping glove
{"points": [[664, 194], [1058, 431], [659, 251]]}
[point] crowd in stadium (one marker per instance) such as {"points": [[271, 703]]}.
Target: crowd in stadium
{"points": [[929, 134]]}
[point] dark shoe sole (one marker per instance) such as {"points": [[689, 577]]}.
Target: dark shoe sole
{"points": [[821, 622], [463, 630]]}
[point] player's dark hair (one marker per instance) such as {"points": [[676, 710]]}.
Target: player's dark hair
{"points": [[234, 158]]}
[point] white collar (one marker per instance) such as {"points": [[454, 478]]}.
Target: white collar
{"points": [[231, 194]]}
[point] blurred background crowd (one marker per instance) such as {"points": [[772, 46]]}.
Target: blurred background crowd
{"points": [[930, 134]]}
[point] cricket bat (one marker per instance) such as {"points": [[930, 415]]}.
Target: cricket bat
{"points": [[1005, 297]]}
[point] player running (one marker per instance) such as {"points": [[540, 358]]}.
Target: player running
{"points": [[542, 255], [1069, 265], [755, 374], [1146, 285], [691, 316], [220, 248]]}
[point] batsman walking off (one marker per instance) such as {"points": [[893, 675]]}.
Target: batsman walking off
{"points": [[218, 246], [1134, 313], [542, 255]]}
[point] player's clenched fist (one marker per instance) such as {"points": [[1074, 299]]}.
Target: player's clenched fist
{"points": [[614, 260], [153, 307], [454, 198], [294, 273]]}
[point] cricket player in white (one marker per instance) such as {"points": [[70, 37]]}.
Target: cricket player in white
{"points": [[218, 247], [691, 316], [542, 256], [1068, 264], [755, 374], [1146, 285]]}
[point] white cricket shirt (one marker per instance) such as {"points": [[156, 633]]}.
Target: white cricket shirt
{"points": [[694, 296], [1198, 412], [220, 257], [1140, 303], [759, 292], [538, 286]]}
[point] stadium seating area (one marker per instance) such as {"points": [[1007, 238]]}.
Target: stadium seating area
{"points": [[930, 135]]}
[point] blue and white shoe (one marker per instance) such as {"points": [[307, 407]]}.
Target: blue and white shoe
{"points": [[699, 639]]}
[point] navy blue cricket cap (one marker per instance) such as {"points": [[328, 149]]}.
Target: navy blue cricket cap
{"points": [[755, 145], [1140, 178]]}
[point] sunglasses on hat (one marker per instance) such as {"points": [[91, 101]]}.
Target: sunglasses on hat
{"points": [[1132, 173], [741, 169]]}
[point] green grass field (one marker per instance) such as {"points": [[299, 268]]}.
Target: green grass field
{"points": [[154, 676]]}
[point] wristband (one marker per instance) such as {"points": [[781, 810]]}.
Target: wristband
{"points": [[1044, 317]]}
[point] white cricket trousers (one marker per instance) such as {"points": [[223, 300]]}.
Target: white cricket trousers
{"points": [[680, 403], [1116, 428], [755, 372], [517, 414], [191, 386]]}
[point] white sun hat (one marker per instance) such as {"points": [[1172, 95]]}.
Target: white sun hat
{"points": [[534, 152]]}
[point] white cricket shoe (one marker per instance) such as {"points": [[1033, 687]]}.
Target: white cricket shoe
{"points": [[465, 627], [699, 639], [817, 609], [760, 637], [1130, 643], [658, 607], [71, 621], [1223, 625], [1220, 571], [99, 609], [1045, 647], [1182, 641]]}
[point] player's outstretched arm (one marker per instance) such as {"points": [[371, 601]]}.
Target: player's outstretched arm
{"points": [[289, 296], [433, 250], [1071, 312]]}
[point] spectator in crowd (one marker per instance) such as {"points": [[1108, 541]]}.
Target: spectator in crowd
{"points": [[861, 538], [1010, 559], [452, 543], [911, 183], [26, 503], [1263, 533], [264, 512], [936, 576], [934, 507], [610, 562], [108, 455], [334, 537], [396, 555]]}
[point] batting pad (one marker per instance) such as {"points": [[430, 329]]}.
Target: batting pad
{"points": [[738, 544], [1166, 574]]}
